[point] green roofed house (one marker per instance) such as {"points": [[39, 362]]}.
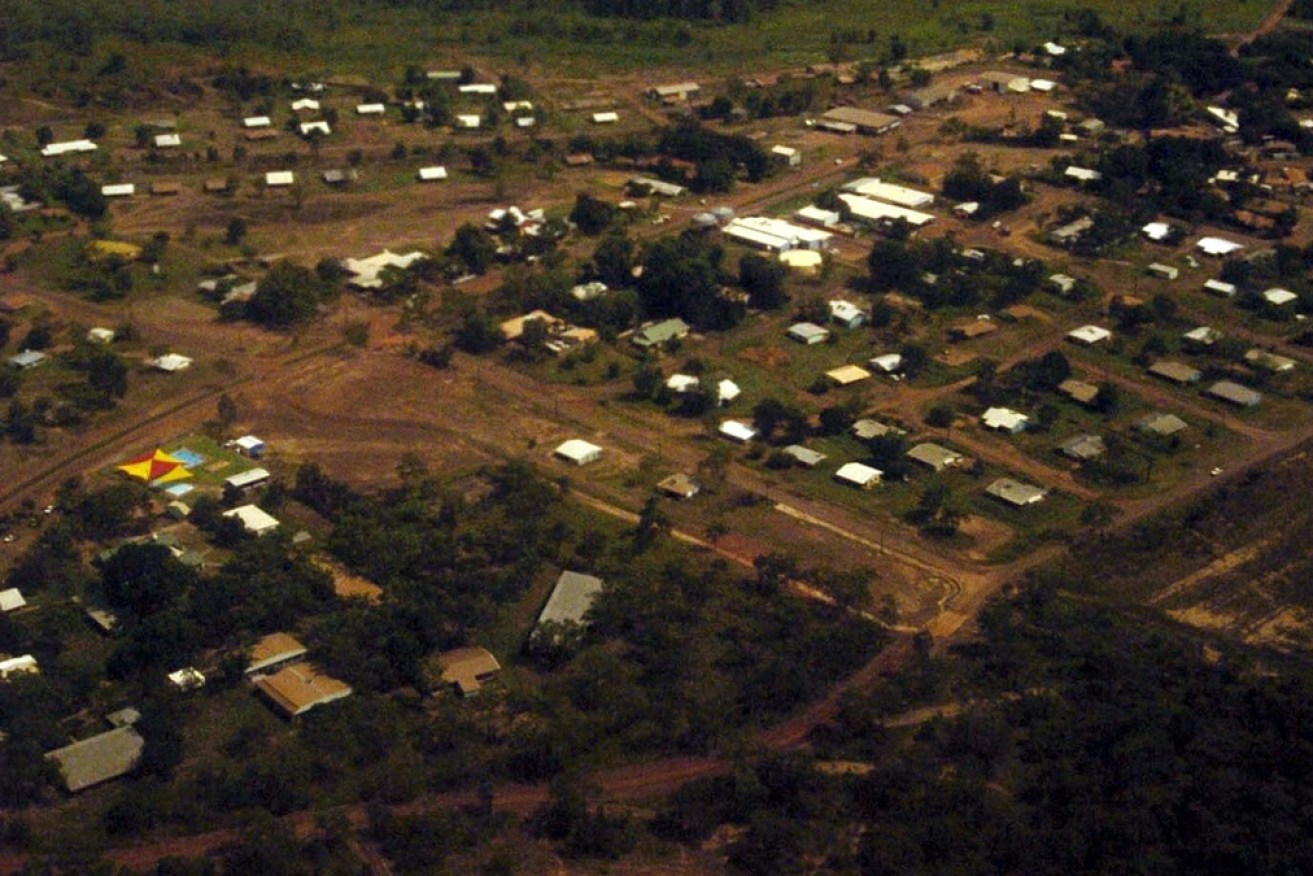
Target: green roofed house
{"points": [[659, 333]]}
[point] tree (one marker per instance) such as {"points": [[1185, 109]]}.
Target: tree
{"points": [[227, 411], [940, 416], [892, 266], [648, 379], [236, 231], [592, 215], [653, 522], [613, 259], [937, 511], [287, 296], [473, 247], [144, 578], [763, 280], [107, 375], [478, 333]]}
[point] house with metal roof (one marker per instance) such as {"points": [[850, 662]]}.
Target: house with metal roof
{"points": [[27, 359], [678, 486], [858, 475], [273, 651], [866, 429], [252, 477], [1265, 360], [808, 333], [1004, 420], [1175, 372], [934, 456], [1079, 391], [578, 451], [1083, 448], [569, 602], [846, 375], [845, 313], [300, 687], [1015, 493], [11, 600], [804, 456], [466, 669], [254, 519], [658, 333], [738, 432], [98, 759], [1088, 335], [1234, 394], [1162, 424]]}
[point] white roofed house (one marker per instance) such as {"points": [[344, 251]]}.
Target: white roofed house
{"points": [[578, 451], [250, 446], [118, 190], [858, 475], [846, 314], [1217, 246], [256, 122], [871, 210], [786, 155], [1088, 335], [1082, 175], [254, 520], [279, 178], [247, 479], [776, 235], [318, 127], [431, 174], [1004, 420], [874, 187], [887, 363], [11, 600], [305, 104], [605, 118], [1278, 297], [68, 147], [738, 432], [808, 333], [469, 121], [367, 273], [370, 109], [171, 362], [726, 391], [167, 141]]}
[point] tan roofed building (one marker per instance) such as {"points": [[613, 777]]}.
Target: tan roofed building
{"points": [[467, 668], [295, 690], [273, 651]]}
